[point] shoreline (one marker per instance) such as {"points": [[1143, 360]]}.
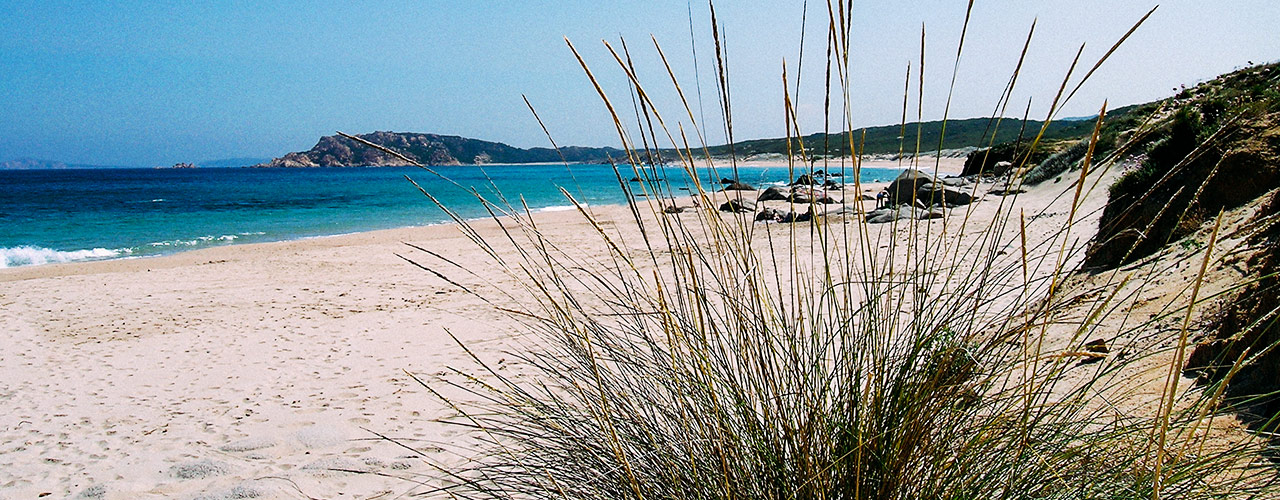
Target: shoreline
{"points": [[205, 371], [947, 166]]}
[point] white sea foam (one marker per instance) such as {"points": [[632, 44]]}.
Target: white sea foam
{"points": [[34, 256], [558, 208]]}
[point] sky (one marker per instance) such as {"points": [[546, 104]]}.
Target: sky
{"points": [[143, 83]]}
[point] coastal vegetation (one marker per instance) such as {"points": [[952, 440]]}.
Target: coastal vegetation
{"points": [[999, 354], [1197, 158], [1215, 148]]}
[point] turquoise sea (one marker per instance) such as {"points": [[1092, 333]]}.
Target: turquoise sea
{"points": [[91, 214]]}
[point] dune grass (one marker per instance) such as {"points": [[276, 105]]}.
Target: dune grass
{"points": [[702, 356]]}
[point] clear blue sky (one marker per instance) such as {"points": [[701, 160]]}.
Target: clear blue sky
{"points": [[154, 83]]}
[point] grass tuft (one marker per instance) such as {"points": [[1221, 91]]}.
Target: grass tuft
{"points": [[701, 356]]}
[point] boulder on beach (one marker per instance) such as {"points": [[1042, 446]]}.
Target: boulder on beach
{"points": [[769, 214], [906, 212], [842, 210], [776, 215], [804, 180], [801, 217], [882, 215], [938, 194], [738, 205], [738, 186], [1004, 189], [902, 189], [993, 162], [775, 193], [803, 195]]}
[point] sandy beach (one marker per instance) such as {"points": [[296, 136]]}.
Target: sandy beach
{"points": [[253, 367], [270, 370], [527, 250]]}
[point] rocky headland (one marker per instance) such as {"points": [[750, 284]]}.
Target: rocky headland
{"points": [[431, 149]]}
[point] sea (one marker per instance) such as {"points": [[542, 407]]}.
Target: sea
{"points": [[52, 216]]}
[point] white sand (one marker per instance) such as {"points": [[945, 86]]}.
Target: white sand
{"points": [[256, 370], [263, 360]]}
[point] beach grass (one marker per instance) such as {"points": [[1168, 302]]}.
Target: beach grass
{"points": [[705, 356]]}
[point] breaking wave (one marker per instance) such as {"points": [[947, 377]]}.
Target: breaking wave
{"points": [[35, 256]]}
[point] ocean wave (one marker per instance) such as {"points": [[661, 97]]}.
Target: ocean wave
{"points": [[196, 241], [35, 256]]}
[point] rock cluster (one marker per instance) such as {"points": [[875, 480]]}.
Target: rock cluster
{"points": [[807, 189], [913, 195], [917, 195]]}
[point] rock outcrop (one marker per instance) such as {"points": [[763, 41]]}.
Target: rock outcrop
{"points": [[913, 186]]}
